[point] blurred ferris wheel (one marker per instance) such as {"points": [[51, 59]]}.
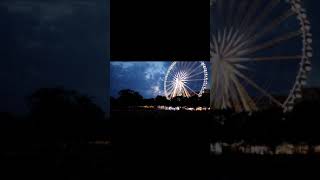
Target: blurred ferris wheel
{"points": [[185, 79], [260, 53]]}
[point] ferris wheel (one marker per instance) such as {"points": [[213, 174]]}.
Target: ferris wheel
{"points": [[260, 53], [185, 79]]}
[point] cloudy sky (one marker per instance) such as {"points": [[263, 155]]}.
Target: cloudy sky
{"points": [[144, 77]]}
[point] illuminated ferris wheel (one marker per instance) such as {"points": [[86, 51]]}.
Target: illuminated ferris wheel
{"points": [[260, 53], [185, 79]]}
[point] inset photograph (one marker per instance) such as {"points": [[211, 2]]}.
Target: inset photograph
{"points": [[160, 86]]}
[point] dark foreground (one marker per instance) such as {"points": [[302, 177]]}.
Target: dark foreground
{"points": [[146, 145], [255, 167], [96, 164], [175, 145], [77, 162]]}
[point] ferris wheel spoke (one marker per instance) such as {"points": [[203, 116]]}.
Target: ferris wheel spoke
{"points": [[169, 94], [170, 76], [230, 33], [245, 98], [272, 25], [196, 74], [238, 87], [217, 87], [237, 45], [223, 40], [174, 71], [231, 42], [213, 50], [184, 65], [191, 67], [186, 93], [257, 87], [264, 14], [240, 66], [214, 77], [272, 58], [250, 104], [226, 77], [270, 43], [171, 81], [239, 13], [191, 89], [179, 65], [175, 91], [219, 39], [212, 54], [216, 44], [230, 38], [193, 70], [235, 99], [170, 90], [189, 80], [229, 16], [251, 12], [170, 85]]}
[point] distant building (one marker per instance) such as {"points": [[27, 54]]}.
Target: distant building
{"points": [[285, 148]]}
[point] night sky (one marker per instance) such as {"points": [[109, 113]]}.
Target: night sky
{"points": [[65, 43], [45, 44], [144, 77]]}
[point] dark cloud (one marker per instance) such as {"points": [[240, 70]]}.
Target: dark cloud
{"points": [[50, 10], [53, 43]]}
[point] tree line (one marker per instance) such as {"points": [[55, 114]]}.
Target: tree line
{"points": [[131, 98]]}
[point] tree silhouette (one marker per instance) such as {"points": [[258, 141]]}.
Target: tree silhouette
{"points": [[149, 102], [61, 114], [193, 101], [128, 97], [204, 100], [161, 100], [178, 101]]}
